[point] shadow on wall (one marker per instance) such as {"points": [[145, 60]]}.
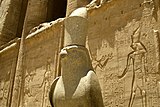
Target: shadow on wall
{"points": [[110, 18]]}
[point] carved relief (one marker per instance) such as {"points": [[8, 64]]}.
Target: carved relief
{"points": [[102, 62], [29, 80], [38, 81], [137, 59], [46, 85]]}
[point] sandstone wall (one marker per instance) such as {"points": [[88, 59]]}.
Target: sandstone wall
{"points": [[8, 60], [41, 65], [110, 40], [113, 46]]}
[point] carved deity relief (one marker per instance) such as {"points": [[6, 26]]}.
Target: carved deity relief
{"points": [[36, 82], [46, 85], [137, 59], [28, 81], [141, 67]]}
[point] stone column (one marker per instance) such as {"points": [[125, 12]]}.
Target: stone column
{"points": [[10, 12]]}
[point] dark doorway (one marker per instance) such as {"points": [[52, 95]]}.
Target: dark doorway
{"points": [[56, 9]]}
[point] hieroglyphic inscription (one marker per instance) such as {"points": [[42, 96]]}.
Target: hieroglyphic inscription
{"points": [[38, 81]]}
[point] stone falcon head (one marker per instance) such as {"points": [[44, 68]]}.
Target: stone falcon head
{"points": [[76, 27]]}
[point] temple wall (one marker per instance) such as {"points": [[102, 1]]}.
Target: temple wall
{"points": [[110, 42], [8, 61], [41, 59], [39, 65], [110, 37]]}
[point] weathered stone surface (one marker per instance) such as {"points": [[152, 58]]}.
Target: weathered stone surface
{"points": [[41, 59], [126, 63], [10, 11], [117, 49], [8, 60]]}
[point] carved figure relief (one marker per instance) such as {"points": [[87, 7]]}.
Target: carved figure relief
{"points": [[102, 62], [29, 80], [137, 61], [46, 85]]}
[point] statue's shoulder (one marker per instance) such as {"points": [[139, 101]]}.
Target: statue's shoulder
{"points": [[95, 90], [91, 74], [52, 90]]}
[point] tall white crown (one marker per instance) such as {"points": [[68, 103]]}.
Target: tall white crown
{"points": [[76, 27]]}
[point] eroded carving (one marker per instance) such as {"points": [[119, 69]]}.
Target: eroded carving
{"points": [[137, 61], [46, 84], [102, 62], [28, 81]]}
